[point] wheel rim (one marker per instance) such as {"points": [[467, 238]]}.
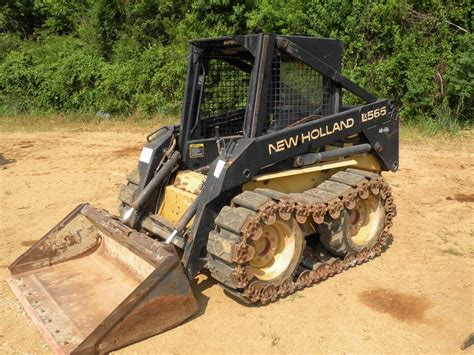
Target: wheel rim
{"points": [[274, 250], [365, 220]]}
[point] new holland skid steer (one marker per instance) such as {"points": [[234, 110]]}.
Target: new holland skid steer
{"points": [[271, 182]]}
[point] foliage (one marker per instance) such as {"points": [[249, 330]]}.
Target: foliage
{"points": [[130, 56]]}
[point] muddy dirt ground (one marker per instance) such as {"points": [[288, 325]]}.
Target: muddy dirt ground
{"points": [[417, 297]]}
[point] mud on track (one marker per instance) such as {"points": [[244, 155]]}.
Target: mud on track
{"points": [[416, 297]]}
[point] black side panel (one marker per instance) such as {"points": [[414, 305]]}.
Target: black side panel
{"points": [[151, 155], [377, 121]]}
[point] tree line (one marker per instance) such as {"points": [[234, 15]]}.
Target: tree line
{"points": [[128, 56]]}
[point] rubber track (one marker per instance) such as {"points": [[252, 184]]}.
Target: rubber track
{"points": [[230, 244], [128, 191]]}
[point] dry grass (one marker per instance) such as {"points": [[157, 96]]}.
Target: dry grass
{"points": [[409, 133], [413, 134], [29, 123]]}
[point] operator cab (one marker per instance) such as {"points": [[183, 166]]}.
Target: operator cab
{"points": [[244, 87]]}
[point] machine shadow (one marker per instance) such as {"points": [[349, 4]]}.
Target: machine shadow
{"points": [[199, 284]]}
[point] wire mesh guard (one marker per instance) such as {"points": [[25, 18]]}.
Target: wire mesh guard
{"points": [[296, 91], [225, 99]]}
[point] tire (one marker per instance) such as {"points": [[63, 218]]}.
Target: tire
{"points": [[274, 268], [278, 251], [355, 229]]}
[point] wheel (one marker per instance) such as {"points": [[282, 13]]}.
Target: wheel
{"points": [[278, 251], [355, 229]]}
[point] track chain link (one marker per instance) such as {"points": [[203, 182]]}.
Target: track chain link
{"points": [[256, 291]]}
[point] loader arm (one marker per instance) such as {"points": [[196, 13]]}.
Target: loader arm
{"points": [[377, 122]]}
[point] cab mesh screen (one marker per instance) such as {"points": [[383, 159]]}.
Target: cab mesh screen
{"points": [[296, 91], [224, 99]]}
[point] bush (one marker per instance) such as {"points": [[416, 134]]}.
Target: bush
{"points": [[50, 74], [125, 57], [63, 75]]}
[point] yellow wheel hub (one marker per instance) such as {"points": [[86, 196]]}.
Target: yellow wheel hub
{"points": [[274, 250], [365, 219]]}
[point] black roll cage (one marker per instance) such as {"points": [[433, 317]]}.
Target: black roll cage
{"points": [[322, 55]]}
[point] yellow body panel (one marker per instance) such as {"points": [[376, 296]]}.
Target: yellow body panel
{"points": [[299, 180], [179, 196], [367, 162], [296, 180], [175, 202], [190, 181]]}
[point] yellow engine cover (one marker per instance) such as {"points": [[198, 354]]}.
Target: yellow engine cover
{"points": [[302, 179], [179, 196]]}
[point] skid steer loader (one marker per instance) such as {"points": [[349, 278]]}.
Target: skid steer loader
{"points": [[271, 182]]}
